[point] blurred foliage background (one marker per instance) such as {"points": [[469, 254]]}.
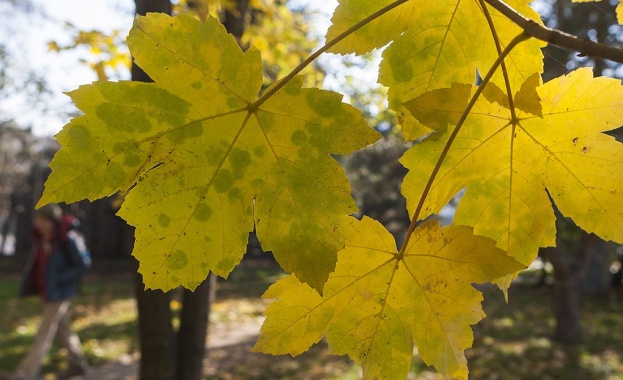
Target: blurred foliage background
{"points": [[549, 330]]}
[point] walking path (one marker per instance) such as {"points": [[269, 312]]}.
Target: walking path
{"points": [[222, 338]]}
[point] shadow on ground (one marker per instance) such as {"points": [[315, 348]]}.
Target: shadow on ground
{"points": [[511, 343]]}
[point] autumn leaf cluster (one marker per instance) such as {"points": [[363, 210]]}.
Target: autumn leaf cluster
{"points": [[206, 157]]}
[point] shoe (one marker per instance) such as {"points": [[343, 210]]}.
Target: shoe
{"points": [[72, 372]]}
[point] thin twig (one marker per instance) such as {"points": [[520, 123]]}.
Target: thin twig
{"points": [[555, 37]]}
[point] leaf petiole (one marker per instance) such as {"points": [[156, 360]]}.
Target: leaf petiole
{"points": [[498, 47], [523, 36]]}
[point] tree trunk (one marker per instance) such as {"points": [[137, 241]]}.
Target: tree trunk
{"points": [[235, 21], [566, 299], [146, 6], [156, 335], [191, 337], [567, 295], [165, 356]]}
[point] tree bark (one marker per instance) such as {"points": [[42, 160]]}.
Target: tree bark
{"points": [[193, 330], [146, 6], [566, 299], [165, 355], [156, 335], [235, 22], [567, 295]]}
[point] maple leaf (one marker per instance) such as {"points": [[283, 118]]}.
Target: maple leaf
{"points": [[443, 42], [378, 33], [378, 302], [554, 148], [205, 164]]}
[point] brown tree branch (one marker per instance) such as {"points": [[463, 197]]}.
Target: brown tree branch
{"points": [[556, 37]]}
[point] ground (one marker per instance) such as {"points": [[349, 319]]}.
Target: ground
{"points": [[513, 342]]}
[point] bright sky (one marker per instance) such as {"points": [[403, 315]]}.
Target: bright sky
{"points": [[27, 38]]}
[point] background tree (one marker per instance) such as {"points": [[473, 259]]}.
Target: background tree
{"points": [[580, 260]]}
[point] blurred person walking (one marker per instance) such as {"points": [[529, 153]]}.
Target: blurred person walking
{"points": [[57, 262]]}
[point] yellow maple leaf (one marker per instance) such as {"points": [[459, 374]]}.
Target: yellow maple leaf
{"points": [[435, 43], [554, 148], [378, 302], [205, 163]]}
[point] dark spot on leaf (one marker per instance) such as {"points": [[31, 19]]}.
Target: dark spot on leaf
{"points": [[401, 70], [177, 260], [312, 126], [213, 156], [260, 151], [223, 181], [203, 212], [79, 132], [323, 103], [201, 191], [120, 147], [114, 175], [298, 138], [575, 140], [177, 136], [132, 160], [119, 117], [135, 119], [235, 193], [239, 160], [164, 220], [584, 150]]}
